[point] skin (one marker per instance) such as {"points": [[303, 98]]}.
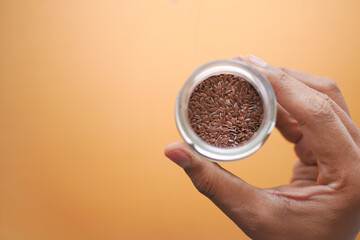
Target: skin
{"points": [[322, 200]]}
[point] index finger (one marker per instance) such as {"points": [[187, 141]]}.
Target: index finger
{"points": [[322, 128], [321, 84]]}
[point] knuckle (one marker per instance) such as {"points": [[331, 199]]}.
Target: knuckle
{"points": [[331, 85], [282, 76], [284, 69], [282, 83], [205, 185], [320, 106]]}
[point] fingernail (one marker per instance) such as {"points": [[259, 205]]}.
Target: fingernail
{"points": [[180, 158], [257, 61], [239, 57]]}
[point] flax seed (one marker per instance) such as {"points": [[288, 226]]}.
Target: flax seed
{"points": [[225, 110]]}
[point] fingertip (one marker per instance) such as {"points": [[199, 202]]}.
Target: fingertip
{"points": [[178, 153], [256, 61], [239, 57], [173, 146]]}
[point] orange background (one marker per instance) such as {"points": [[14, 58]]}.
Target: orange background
{"points": [[87, 92]]}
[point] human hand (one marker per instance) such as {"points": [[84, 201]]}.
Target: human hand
{"points": [[322, 200]]}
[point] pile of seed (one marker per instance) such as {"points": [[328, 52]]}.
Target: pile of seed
{"points": [[225, 110]]}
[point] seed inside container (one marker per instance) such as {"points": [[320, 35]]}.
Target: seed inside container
{"points": [[225, 110]]}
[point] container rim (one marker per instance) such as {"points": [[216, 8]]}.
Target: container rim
{"points": [[259, 82]]}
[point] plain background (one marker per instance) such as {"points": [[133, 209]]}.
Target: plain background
{"points": [[87, 92]]}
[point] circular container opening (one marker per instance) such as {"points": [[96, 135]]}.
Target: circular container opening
{"points": [[260, 84]]}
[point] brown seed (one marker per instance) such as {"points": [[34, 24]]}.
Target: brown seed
{"points": [[225, 110], [229, 123]]}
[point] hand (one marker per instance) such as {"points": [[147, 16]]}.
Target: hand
{"points": [[322, 200]]}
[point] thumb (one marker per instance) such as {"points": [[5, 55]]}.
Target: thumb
{"points": [[243, 203]]}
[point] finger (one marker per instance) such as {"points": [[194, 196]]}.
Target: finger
{"points": [[321, 84], [304, 174], [236, 198], [314, 112], [304, 153], [348, 123], [303, 183], [287, 125], [331, 89]]}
